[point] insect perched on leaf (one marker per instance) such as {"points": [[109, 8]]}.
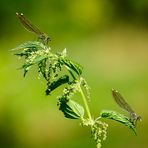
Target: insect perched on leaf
{"points": [[123, 104], [32, 28]]}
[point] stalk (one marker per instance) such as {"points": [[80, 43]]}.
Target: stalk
{"points": [[85, 103]]}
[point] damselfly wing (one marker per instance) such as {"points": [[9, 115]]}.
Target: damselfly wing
{"points": [[32, 28], [123, 104]]}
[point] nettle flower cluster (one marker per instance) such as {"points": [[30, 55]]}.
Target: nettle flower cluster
{"points": [[51, 67]]}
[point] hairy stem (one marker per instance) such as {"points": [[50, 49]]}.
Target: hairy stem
{"points": [[85, 103], [98, 145]]}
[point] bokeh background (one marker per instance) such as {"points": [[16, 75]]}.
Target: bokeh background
{"points": [[109, 38]]}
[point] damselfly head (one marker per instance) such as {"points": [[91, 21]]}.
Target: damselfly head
{"points": [[139, 118], [136, 117], [44, 37]]}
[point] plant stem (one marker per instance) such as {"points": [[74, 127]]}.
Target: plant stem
{"points": [[98, 145], [85, 103], [88, 111]]}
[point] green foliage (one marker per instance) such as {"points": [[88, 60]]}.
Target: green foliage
{"points": [[118, 117], [49, 66], [71, 109], [72, 65], [51, 86], [33, 53], [99, 131]]}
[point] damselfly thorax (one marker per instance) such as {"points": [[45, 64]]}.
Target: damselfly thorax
{"points": [[32, 28]]}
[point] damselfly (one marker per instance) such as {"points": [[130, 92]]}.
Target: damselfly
{"points": [[32, 28], [123, 104]]}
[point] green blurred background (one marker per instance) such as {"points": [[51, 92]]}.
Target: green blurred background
{"points": [[109, 38]]}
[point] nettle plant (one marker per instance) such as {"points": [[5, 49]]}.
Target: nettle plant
{"points": [[51, 67]]}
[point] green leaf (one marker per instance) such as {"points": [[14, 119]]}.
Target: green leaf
{"points": [[32, 46], [55, 84], [72, 65], [42, 67], [38, 59], [118, 117], [71, 109], [27, 65]]}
